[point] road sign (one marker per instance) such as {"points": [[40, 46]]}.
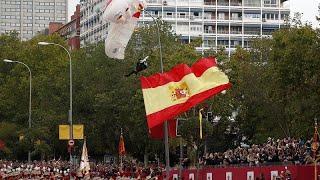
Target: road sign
{"points": [[71, 142], [64, 131]]}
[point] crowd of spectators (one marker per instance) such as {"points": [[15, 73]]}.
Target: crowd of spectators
{"points": [[57, 169], [287, 150], [35, 170]]}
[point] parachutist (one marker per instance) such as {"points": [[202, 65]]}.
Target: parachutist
{"points": [[140, 66]]}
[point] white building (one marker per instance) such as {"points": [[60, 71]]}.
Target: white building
{"points": [[92, 27], [219, 23]]}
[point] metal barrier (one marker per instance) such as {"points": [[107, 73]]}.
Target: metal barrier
{"points": [[296, 172]]}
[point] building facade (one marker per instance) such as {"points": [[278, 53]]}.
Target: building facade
{"points": [[70, 31], [92, 27], [30, 17], [219, 23]]}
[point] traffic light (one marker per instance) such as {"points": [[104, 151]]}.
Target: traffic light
{"points": [[185, 151], [210, 116]]}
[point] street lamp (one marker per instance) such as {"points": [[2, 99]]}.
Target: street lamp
{"points": [[70, 109], [165, 125], [30, 79]]}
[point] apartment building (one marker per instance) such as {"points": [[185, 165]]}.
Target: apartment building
{"points": [[92, 27], [30, 17], [70, 31], [219, 23]]}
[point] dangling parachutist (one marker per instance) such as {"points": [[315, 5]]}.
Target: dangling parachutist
{"points": [[140, 66]]}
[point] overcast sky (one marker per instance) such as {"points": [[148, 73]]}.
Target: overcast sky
{"points": [[309, 8]]}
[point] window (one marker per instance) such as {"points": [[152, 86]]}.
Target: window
{"points": [[270, 3], [252, 16], [221, 16], [253, 3], [235, 16]]}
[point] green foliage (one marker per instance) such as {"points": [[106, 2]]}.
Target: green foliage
{"points": [[275, 92], [104, 100]]}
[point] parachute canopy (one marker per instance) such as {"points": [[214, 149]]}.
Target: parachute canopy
{"points": [[123, 16]]}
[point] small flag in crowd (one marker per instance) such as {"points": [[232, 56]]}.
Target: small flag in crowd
{"points": [[122, 149], [315, 139], [166, 95], [200, 122], [84, 164]]}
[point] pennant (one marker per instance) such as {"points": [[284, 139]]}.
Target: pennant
{"points": [[84, 164], [166, 95], [2, 144], [315, 140], [122, 149]]}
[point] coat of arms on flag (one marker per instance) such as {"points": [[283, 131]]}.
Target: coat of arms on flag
{"points": [[179, 91]]}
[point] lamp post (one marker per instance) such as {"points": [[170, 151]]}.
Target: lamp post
{"points": [[30, 87], [165, 125], [70, 108]]}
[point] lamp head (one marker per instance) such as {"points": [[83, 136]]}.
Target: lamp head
{"points": [[43, 43], [7, 60]]}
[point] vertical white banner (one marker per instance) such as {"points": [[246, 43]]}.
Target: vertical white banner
{"points": [[175, 177], [209, 176], [250, 175], [191, 176], [274, 175], [228, 175]]}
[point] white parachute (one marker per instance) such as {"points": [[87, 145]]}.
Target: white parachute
{"points": [[123, 16]]}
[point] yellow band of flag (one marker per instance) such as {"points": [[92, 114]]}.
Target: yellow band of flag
{"points": [[159, 98]]}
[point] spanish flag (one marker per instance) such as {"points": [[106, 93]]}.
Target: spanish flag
{"points": [[168, 94]]}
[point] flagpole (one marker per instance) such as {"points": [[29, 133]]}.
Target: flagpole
{"points": [[121, 157], [165, 125]]}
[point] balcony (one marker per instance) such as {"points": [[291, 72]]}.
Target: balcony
{"points": [[236, 18], [235, 3], [209, 45], [154, 1], [208, 17], [252, 32], [169, 15], [223, 3], [209, 3], [208, 31], [223, 17], [222, 32], [252, 4], [268, 33], [235, 32], [270, 5]]}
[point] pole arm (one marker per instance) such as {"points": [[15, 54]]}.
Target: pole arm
{"points": [[70, 71], [159, 40], [30, 89], [70, 64]]}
